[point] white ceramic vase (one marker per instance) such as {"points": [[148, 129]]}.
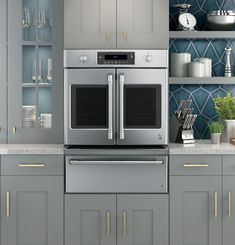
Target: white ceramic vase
{"points": [[229, 130]]}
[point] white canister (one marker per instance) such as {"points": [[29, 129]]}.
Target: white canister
{"points": [[196, 69], [208, 65], [179, 63]]}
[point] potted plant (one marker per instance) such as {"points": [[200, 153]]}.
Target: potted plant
{"points": [[225, 108], [216, 129]]}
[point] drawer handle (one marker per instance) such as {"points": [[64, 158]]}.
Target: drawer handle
{"points": [[108, 224], [32, 165], [84, 162], [229, 204], [196, 165], [216, 204], [8, 204], [124, 224]]}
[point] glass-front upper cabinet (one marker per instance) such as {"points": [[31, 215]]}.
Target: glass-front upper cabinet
{"points": [[35, 71]]}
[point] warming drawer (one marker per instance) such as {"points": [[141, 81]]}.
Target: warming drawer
{"points": [[122, 174]]}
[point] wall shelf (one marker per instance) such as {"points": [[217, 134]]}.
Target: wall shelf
{"points": [[202, 80], [202, 34]]}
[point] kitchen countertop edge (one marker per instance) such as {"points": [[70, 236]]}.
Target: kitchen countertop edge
{"points": [[15, 149], [203, 147]]}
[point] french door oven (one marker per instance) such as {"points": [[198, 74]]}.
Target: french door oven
{"points": [[112, 106]]}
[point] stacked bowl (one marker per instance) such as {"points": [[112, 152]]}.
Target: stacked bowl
{"points": [[28, 116], [45, 120]]}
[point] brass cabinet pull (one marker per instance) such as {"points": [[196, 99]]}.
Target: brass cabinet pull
{"points": [[124, 224], [108, 224], [32, 165], [108, 35], [8, 204], [216, 204], [196, 165], [229, 204], [14, 130], [124, 35]]}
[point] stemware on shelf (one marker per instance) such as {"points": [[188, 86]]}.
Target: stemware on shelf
{"points": [[34, 70], [49, 70], [26, 23], [39, 21]]}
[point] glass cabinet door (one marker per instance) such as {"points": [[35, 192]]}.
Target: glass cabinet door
{"points": [[35, 68]]}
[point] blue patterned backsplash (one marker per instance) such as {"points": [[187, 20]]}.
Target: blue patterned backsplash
{"points": [[202, 101], [202, 95], [199, 8]]}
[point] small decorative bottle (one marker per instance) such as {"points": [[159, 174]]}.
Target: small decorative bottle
{"points": [[228, 66]]}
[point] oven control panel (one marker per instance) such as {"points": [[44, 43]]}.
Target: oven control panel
{"points": [[115, 58]]}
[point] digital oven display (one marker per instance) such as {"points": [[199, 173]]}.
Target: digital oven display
{"points": [[115, 57]]}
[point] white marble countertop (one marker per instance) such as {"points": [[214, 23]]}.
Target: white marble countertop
{"points": [[31, 149], [202, 147]]}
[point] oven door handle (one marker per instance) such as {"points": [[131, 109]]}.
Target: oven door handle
{"points": [[110, 87], [90, 162], [121, 84]]}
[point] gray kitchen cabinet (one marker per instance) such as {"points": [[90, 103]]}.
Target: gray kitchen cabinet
{"points": [[142, 219], [116, 24], [31, 210], [90, 23], [195, 206], [3, 75], [142, 24], [228, 209], [90, 219], [116, 219], [35, 71]]}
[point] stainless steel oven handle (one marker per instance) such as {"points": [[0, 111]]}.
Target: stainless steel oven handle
{"points": [[84, 162], [110, 129], [121, 82]]}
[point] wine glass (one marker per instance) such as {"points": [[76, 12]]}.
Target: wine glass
{"points": [[26, 23], [42, 20]]}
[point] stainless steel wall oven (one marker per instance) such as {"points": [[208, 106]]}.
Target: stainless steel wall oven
{"points": [[116, 97]]}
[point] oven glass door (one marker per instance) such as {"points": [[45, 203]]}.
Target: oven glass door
{"points": [[90, 107], [142, 106]]}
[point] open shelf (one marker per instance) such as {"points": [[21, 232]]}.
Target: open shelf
{"points": [[202, 80], [202, 34]]}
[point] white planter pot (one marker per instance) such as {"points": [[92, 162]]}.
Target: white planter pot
{"points": [[229, 130], [216, 138]]}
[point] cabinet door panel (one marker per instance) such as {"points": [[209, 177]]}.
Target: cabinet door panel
{"points": [[228, 217], [3, 69], [192, 210], [86, 220], [142, 24], [35, 210], [142, 219], [90, 24]]}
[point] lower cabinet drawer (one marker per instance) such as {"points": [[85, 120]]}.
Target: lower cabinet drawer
{"points": [[229, 165], [32, 165], [195, 164]]}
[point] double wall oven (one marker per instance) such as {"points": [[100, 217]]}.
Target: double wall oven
{"points": [[116, 121], [116, 97]]}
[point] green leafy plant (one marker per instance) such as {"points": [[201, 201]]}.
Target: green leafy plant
{"points": [[216, 127], [225, 106]]}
